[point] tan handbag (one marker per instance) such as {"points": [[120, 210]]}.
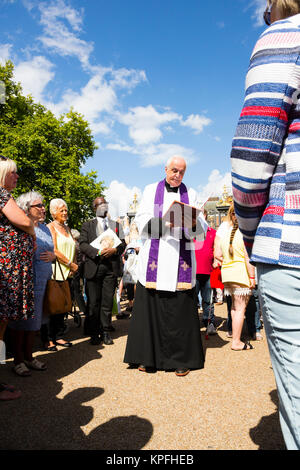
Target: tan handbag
{"points": [[57, 297]]}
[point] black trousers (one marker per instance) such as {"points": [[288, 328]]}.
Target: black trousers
{"points": [[100, 292], [76, 292]]}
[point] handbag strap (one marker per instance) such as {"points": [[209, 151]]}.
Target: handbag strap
{"points": [[60, 270]]}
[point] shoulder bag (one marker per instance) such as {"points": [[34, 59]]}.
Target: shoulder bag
{"points": [[57, 297]]}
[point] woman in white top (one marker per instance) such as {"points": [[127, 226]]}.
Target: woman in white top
{"points": [[64, 249]]}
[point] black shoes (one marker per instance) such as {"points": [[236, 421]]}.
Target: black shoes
{"points": [[104, 337], [95, 340], [107, 339], [122, 316], [67, 344], [182, 372]]}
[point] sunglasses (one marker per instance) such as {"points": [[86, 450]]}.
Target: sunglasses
{"points": [[4, 159], [38, 205], [267, 15]]}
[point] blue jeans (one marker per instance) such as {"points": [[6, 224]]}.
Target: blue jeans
{"points": [[203, 288], [279, 296]]}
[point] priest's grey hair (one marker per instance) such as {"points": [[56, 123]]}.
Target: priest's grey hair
{"points": [[170, 160]]}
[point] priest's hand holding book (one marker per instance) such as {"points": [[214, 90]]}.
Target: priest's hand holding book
{"points": [[181, 215]]}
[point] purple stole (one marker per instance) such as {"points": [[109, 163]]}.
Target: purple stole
{"points": [[184, 278]]}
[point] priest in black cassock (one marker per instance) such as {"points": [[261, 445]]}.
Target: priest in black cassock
{"points": [[164, 331]]}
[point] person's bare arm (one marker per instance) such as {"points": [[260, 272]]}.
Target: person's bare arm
{"points": [[18, 217], [218, 255], [59, 255], [250, 269]]}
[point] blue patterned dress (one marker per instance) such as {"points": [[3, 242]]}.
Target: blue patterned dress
{"points": [[42, 271]]}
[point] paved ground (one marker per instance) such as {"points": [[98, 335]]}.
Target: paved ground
{"points": [[89, 399]]}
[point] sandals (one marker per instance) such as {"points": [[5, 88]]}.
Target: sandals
{"points": [[35, 364], [247, 347], [21, 370]]}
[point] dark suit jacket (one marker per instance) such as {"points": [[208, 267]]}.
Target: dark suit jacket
{"points": [[92, 260]]}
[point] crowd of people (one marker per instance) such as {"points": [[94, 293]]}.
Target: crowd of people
{"points": [[173, 263], [32, 252]]}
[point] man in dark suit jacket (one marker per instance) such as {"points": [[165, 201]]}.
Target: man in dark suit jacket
{"points": [[101, 271]]}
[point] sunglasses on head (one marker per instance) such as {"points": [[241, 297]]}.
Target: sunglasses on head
{"points": [[267, 15], [4, 159]]}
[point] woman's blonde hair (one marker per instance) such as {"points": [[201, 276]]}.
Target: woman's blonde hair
{"points": [[286, 8], [230, 213], [6, 166], [235, 227]]}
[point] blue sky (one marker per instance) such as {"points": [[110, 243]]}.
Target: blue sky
{"points": [[154, 78]]}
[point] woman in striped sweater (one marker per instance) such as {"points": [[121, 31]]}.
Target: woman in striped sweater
{"points": [[266, 188]]}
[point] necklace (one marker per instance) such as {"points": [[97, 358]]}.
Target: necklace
{"points": [[60, 225]]}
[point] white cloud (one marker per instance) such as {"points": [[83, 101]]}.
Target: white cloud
{"points": [[34, 76], [155, 154], [259, 8], [5, 50], [126, 78], [159, 154], [62, 24], [196, 122], [119, 197], [215, 185], [98, 99], [144, 123], [94, 98], [121, 147]]}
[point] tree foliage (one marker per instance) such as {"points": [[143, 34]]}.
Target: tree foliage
{"points": [[50, 152]]}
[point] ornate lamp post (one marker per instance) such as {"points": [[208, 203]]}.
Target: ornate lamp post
{"points": [[132, 208], [223, 204]]}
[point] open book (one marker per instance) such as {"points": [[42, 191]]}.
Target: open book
{"points": [[181, 214], [107, 239]]}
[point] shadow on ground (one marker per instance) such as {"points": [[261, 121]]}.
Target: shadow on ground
{"points": [[40, 420], [267, 434]]}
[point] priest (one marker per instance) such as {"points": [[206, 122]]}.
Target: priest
{"points": [[164, 331]]}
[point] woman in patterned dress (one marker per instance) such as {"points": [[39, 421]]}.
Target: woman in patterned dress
{"points": [[22, 331], [17, 239]]}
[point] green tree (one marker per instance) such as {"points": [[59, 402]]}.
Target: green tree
{"points": [[50, 152]]}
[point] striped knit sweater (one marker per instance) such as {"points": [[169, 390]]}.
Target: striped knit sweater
{"points": [[265, 153]]}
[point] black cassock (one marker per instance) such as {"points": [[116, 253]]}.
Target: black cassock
{"points": [[164, 331]]}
